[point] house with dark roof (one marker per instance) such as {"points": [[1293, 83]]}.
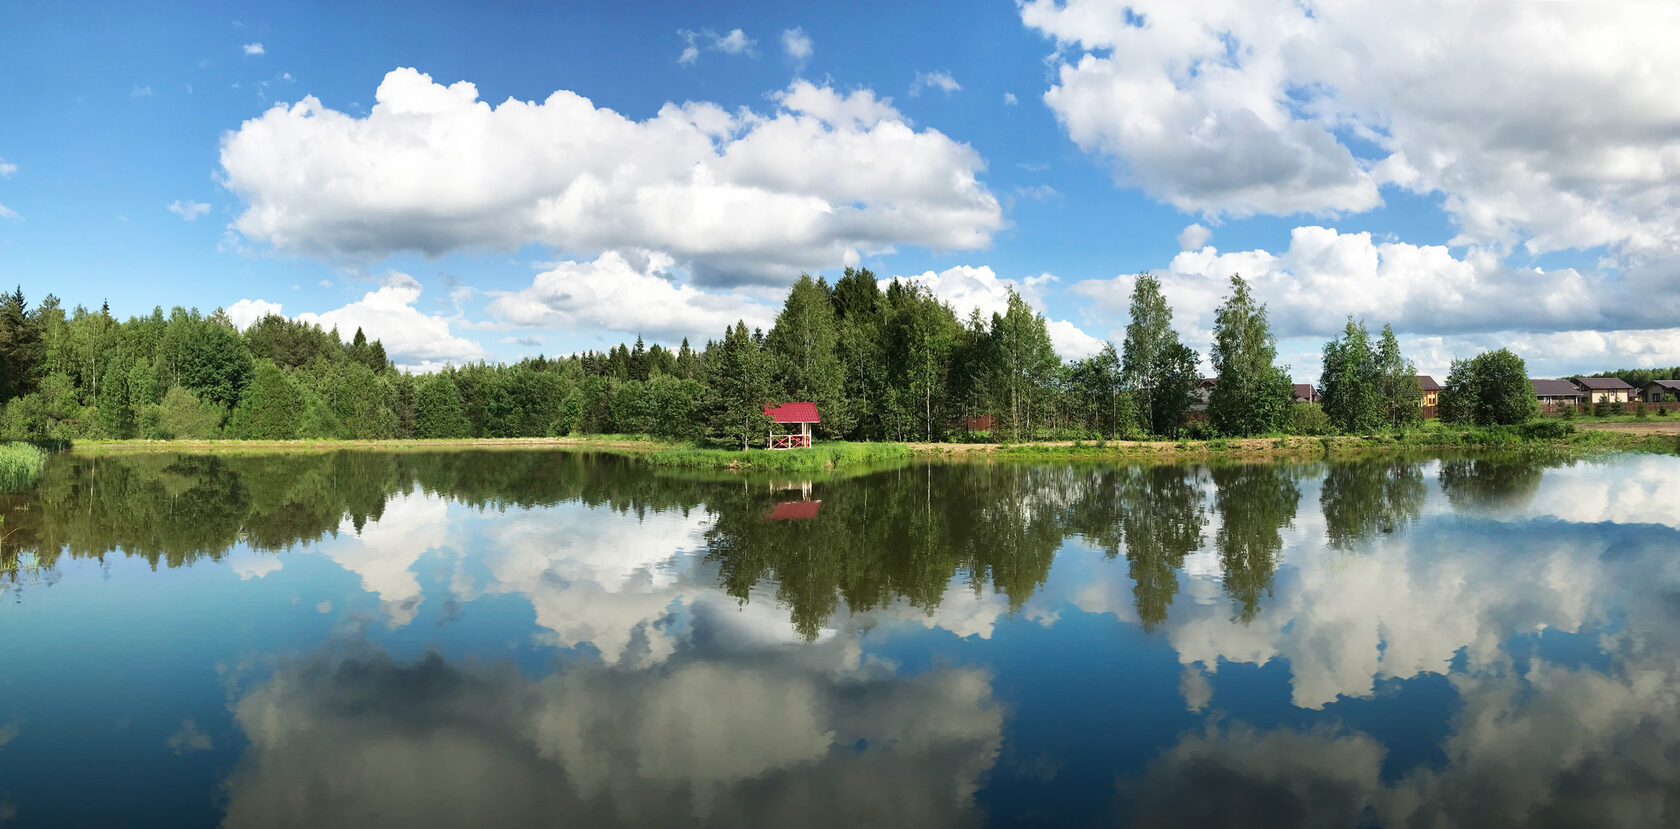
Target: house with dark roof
{"points": [[1661, 391], [803, 415], [1604, 389], [1431, 391], [1554, 395], [1431, 395], [1305, 393]]}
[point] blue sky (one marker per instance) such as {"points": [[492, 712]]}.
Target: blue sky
{"points": [[1477, 174]]}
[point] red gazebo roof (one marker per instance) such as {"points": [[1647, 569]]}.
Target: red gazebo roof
{"points": [[794, 511], [793, 413]]}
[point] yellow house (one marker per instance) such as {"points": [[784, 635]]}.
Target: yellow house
{"points": [[1604, 389]]}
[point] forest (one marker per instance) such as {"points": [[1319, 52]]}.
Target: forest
{"points": [[889, 363]]}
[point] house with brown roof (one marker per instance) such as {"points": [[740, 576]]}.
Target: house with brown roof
{"points": [[1305, 393], [1555, 395], [1431, 394], [1661, 391], [1604, 389]]}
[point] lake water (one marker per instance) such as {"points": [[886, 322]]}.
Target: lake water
{"points": [[500, 638]]}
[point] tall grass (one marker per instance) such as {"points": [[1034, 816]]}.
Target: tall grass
{"points": [[20, 465], [819, 457]]}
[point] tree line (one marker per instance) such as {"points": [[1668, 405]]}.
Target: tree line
{"points": [[881, 363]]}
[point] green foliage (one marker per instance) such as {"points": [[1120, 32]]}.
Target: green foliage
{"points": [[1546, 430], [1252, 394], [437, 409], [183, 416], [1490, 389], [271, 408], [1307, 419], [1155, 367], [116, 416], [803, 356], [741, 386], [20, 466], [1023, 362], [1351, 380]]}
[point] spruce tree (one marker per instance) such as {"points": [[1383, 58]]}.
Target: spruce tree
{"points": [[803, 348]]}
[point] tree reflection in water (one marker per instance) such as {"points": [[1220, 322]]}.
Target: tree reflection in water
{"points": [[896, 536]]}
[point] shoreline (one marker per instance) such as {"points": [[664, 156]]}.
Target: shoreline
{"points": [[1586, 439]]}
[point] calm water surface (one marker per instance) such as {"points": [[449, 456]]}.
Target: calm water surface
{"points": [[480, 639]]}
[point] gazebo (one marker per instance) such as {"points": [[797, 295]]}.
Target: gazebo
{"points": [[803, 414]]}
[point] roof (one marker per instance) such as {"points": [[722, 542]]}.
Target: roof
{"points": [[1303, 391], [1603, 383], [793, 413], [794, 510], [1554, 388], [1671, 385], [1428, 383]]}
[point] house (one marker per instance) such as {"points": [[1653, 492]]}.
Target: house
{"points": [[803, 415], [1201, 391], [1604, 389], [1431, 395], [1305, 393], [1555, 395], [1431, 391], [1662, 391]]}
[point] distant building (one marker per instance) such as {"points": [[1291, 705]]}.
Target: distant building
{"points": [[1554, 395], [1604, 389], [1305, 393], [1662, 391], [1431, 395], [803, 415], [1201, 391]]}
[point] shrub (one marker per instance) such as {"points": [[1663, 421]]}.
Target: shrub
{"points": [[1662, 411], [1545, 430], [1601, 409], [1307, 419], [20, 465], [1616, 407], [1567, 413]]}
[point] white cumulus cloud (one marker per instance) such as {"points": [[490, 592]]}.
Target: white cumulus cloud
{"points": [[252, 48], [412, 339], [616, 294], [1545, 124], [967, 288], [735, 197]]}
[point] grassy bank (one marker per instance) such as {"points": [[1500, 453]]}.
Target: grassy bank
{"points": [[1549, 435], [623, 444], [822, 456], [1544, 435], [665, 454], [20, 465]]}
